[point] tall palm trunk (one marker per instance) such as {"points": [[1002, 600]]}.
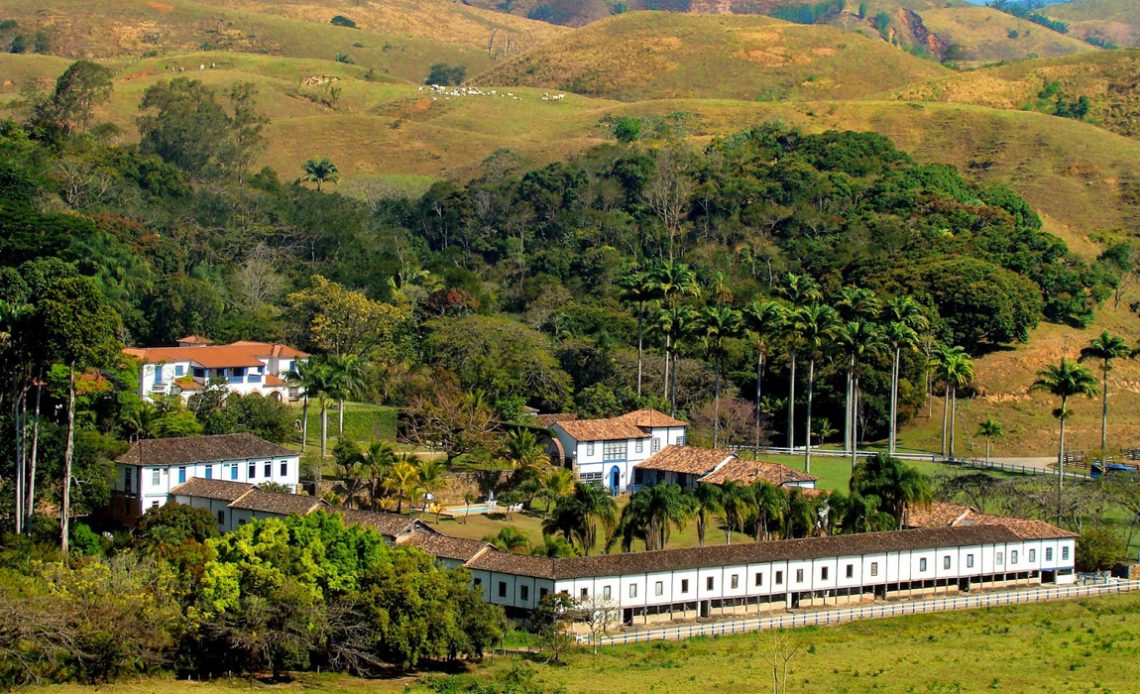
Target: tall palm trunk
{"points": [[20, 414], [854, 421], [1104, 409], [811, 386], [716, 406], [953, 419], [304, 422], [1061, 460], [340, 417], [68, 454], [792, 407], [668, 355], [759, 384], [640, 347], [945, 419], [673, 388], [894, 401], [847, 414], [30, 499]]}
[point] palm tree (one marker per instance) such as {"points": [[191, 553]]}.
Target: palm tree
{"points": [[734, 504], [316, 380], [719, 323], [765, 319], [527, 456], [576, 517], [673, 281], [904, 321], [509, 539], [651, 514], [403, 480], [468, 499], [556, 485], [856, 340], [705, 501], [800, 515], [640, 289], [676, 323], [377, 461], [955, 369], [816, 323], [430, 473], [799, 290], [346, 376], [896, 485], [770, 503], [1107, 348], [321, 170], [140, 420], [1068, 380], [989, 429]]}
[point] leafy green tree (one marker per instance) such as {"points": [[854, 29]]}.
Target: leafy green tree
{"points": [[551, 623], [706, 500], [898, 487], [770, 504], [858, 341], [735, 502], [444, 74], [509, 539], [651, 514], [1099, 548], [82, 86], [321, 171], [174, 524], [640, 289], [1064, 381], [626, 128], [576, 517], [1105, 348]]}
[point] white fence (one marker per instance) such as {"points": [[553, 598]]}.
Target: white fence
{"points": [[878, 611]]}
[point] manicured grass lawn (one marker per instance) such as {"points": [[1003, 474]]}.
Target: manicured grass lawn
{"points": [[362, 422]]}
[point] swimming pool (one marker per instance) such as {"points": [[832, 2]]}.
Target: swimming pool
{"points": [[474, 508]]}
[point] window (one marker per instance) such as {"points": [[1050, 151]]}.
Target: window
{"points": [[799, 575], [209, 472], [999, 558], [659, 588], [1048, 554], [946, 562], [268, 470], [155, 477], [874, 568], [1064, 553], [606, 593], [709, 583], [478, 582], [969, 561], [585, 593], [639, 446], [154, 504], [178, 369], [922, 564], [633, 590], [613, 450], [823, 573], [779, 578], [681, 440], [502, 589], [253, 471], [128, 479], [284, 469], [591, 477], [656, 444], [734, 582], [1032, 556], [524, 593], [759, 578], [850, 571], [684, 585], [590, 448], [1013, 557], [221, 517], [234, 471], [542, 593], [239, 372], [181, 474]]}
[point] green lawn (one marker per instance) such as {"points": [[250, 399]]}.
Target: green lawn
{"points": [[362, 422]]}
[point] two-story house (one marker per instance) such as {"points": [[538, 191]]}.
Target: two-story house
{"points": [[605, 451], [244, 367], [151, 468]]}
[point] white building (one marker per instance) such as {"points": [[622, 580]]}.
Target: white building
{"points": [[243, 367], [148, 472], [772, 576], [606, 451]]}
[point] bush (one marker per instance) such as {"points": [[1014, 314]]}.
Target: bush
{"points": [[445, 75], [1099, 549], [342, 21]]}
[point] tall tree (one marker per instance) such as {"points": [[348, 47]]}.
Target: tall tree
{"points": [[719, 323], [1105, 348], [1067, 380], [856, 340], [989, 429], [321, 171], [79, 329], [816, 324], [765, 321], [346, 377], [673, 281], [798, 290], [770, 503], [735, 501], [898, 487], [677, 323], [955, 369], [904, 321], [859, 306], [639, 289], [706, 501]]}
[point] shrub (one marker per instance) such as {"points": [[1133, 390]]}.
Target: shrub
{"points": [[1099, 549], [342, 21], [444, 74]]}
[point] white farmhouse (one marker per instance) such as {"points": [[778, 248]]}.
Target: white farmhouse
{"points": [[605, 451], [243, 367], [148, 472]]}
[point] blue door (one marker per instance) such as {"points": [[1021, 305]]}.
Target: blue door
{"points": [[615, 479]]}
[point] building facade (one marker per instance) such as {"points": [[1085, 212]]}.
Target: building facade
{"points": [[242, 367], [605, 451], [148, 472]]}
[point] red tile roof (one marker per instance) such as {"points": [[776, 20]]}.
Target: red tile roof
{"points": [[689, 460], [447, 547], [280, 503], [201, 449], [631, 425], [937, 515], [222, 490], [275, 381], [195, 340], [237, 354], [745, 472]]}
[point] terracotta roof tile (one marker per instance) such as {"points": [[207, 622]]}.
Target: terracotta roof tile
{"points": [[689, 460], [548, 419], [511, 563], [937, 515], [446, 546], [201, 449], [746, 472], [1023, 528], [631, 425], [195, 340], [222, 490], [237, 354], [275, 381], [281, 503], [388, 524], [652, 419]]}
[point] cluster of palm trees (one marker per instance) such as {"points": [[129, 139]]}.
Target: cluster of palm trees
{"points": [[326, 379], [883, 490], [855, 329], [388, 476]]}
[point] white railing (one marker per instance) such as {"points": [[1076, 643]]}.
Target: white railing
{"points": [[878, 611]]}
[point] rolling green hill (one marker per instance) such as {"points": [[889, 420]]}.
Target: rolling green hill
{"points": [[1115, 20], [649, 55]]}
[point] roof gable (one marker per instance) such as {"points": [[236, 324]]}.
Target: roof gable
{"points": [[689, 460], [631, 425], [184, 450], [746, 472], [243, 353]]}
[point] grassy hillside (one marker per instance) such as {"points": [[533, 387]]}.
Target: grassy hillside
{"points": [[136, 28], [1116, 20], [1111, 80], [649, 55], [985, 35]]}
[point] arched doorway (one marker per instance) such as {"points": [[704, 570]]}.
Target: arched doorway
{"points": [[615, 479]]}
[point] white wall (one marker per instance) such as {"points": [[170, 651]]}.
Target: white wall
{"points": [[152, 491]]}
